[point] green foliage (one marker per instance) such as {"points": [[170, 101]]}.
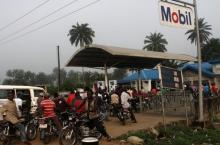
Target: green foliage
{"points": [[69, 80], [211, 50], [178, 135], [171, 63], [81, 33], [118, 74], [204, 32], [155, 42]]}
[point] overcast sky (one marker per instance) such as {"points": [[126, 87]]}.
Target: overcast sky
{"points": [[123, 23]]}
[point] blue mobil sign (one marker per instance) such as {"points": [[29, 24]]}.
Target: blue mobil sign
{"points": [[176, 15]]}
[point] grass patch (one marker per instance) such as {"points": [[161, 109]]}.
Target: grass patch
{"points": [[177, 135]]}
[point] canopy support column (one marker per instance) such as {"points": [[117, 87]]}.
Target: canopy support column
{"points": [[139, 90], [106, 78]]}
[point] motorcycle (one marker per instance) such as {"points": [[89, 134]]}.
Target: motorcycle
{"points": [[47, 129], [123, 114], [32, 128], [8, 132], [77, 129]]}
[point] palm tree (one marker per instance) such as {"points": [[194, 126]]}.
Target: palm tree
{"points": [[204, 32], [171, 63], [81, 34], [155, 42]]}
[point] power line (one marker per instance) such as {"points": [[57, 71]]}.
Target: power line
{"points": [[37, 21], [9, 24], [22, 35]]}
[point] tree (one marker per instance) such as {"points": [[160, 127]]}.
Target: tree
{"points": [[118, 74], [15, 77], [63, 75], [211, 50], [155, 42], [42, 79], [204, 32], [30, 78], [81, 34], [171, 63]]}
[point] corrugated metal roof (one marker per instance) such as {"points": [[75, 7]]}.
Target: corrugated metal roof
{"points": [[99, 55]]}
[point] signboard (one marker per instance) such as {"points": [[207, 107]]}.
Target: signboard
{"points": [[170, 78], [176, 15]]}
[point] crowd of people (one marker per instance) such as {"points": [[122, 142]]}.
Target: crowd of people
{"points": [[91, 102], [208, 89], [83, 101]]}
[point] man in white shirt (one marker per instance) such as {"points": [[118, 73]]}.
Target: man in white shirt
{"points": [[18, 103], [124, 100], [125, 96]]}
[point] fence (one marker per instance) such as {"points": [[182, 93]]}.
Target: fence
{"points": [[182, 103]]}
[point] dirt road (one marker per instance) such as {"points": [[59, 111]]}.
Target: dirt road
{"points": [[115, 128]]}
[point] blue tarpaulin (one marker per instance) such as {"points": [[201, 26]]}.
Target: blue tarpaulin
{"points": [[145, 74], [206, 69]]}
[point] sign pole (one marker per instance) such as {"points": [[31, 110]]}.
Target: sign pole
{"points": [[162, 95], [201, 117]]}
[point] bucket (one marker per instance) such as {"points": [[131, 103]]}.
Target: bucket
{"points": [[90, 141]]}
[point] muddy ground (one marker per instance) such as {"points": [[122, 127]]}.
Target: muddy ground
{"points": [[115, 128]]}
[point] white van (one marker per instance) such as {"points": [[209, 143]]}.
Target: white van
{"points": [[28, 94]]}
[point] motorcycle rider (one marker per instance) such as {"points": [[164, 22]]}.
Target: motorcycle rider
{"points": [[71, 98], [10, 114], [60, 102], [115, 103], [91, 108], [48, 108], [125, 97]]}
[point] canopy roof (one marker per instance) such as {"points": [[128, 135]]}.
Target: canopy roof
{"points": [[111, 56]]}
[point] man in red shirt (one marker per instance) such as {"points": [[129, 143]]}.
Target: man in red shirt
{"points": [[48, 108], [71, 98], [214, 89]]}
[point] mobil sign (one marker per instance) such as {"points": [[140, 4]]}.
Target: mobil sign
{"points": [[176, 15]]}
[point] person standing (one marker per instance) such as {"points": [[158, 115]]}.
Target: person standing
{"points": [[206, 90], [11, 114], [214, 89]]}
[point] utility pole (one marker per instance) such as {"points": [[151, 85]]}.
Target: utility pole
{"points": [[58, 58], [194, 5]]}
